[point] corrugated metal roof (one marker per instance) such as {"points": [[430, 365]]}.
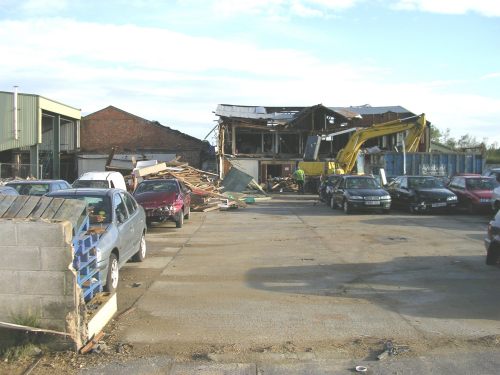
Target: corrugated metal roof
{"points": [[255, 112], [289, 113], [369, 110]]}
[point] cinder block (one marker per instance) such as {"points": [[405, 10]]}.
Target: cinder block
{"points": [[69, 283], [41, 233], [57, 307], [54, 324], [15, 305], [8, 232], [57, 258], [19, 258], [9, 282], [41, 283]]}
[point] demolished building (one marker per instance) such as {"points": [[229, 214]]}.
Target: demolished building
{"points": [[269, 141]]}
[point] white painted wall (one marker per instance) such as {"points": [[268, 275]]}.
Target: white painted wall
{"points": [[250, 167]]}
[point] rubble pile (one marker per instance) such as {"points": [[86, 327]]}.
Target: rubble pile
{"points": [[206, 194], [282, 185]]}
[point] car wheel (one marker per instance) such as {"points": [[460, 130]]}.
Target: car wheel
{"points": [[492, 256], [347, 209], [113, 274], [141, 253], [180, 220], [188, 214], [412, 209]]}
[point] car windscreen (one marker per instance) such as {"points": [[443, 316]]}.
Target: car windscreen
{"points": [[98, 207], [30, 189], [480, 183], [98, 184], [157, 186], [361, 183], [424, 183]]}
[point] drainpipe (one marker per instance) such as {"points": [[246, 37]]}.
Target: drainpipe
{"points": [[15, 114]]}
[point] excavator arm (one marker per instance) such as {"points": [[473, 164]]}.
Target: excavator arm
{"points": [[415, 125]]}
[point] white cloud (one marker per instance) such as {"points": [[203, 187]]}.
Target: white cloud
{"points": [[179, 79], [280, 8], [491, 76], [489, 8], [43, 6]]}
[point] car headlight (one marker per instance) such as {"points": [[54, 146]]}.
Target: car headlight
{"points": [[356, 197], [385, 197], [451, 198]]}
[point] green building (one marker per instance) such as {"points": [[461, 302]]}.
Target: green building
{"points": [[38, 136]]}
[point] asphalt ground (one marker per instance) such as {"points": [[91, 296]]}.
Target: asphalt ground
{"points": [[289, 286]]}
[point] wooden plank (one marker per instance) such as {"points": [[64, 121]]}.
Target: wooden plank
{"points": [[52, 208], [40, 207], [150, 170], [72, 210], [5, 204], [32, 329], [28, 207], [15, 207]]}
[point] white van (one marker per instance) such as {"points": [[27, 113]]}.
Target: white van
{"points": [[101, 180]]}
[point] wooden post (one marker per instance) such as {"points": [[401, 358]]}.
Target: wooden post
{"points": [[233, 139]]}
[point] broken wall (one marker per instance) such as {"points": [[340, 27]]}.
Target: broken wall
{"points": [[35, 278]]}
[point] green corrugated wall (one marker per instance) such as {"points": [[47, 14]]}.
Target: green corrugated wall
{"points": [[27, 120]]}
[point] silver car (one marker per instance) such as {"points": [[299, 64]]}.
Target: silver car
{"points": [[495, 198], [123, 224]]}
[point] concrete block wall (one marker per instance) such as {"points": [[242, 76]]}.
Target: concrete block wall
{"points": [[35, 278]]}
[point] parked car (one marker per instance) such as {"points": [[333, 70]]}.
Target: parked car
{"points": [[493, 172], [7, 190], [473, 191], [495, 199], [495, 196], [101, 180], [124, 222], [421, 193], [360, 193], [38, 187], [164, 200], [325, 189], [492, 241]]}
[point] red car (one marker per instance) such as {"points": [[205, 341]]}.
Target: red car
{"points": [[473, 191], [164, 200]]}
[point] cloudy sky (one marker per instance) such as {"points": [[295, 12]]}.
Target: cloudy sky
{"points": [[174, 60]]}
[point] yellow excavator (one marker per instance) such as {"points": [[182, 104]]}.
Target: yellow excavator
{"points": [[346, 158], [415, 126]]}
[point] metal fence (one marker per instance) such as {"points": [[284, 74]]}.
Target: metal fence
{"points": [[13, 170]]}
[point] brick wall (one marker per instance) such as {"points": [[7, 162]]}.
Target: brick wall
{"points": [[111, 126], [34, 274]]}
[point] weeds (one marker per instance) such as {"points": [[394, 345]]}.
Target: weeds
{"points": [[21, 344]]}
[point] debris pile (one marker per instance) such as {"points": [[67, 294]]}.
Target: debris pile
{"points": [[282, 185], [206, 192]]}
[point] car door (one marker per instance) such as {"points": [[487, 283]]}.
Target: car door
{"points": [[135, 218], [186, 196], [404, 193], [393, 189], [124, 227], [338, 192]]}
